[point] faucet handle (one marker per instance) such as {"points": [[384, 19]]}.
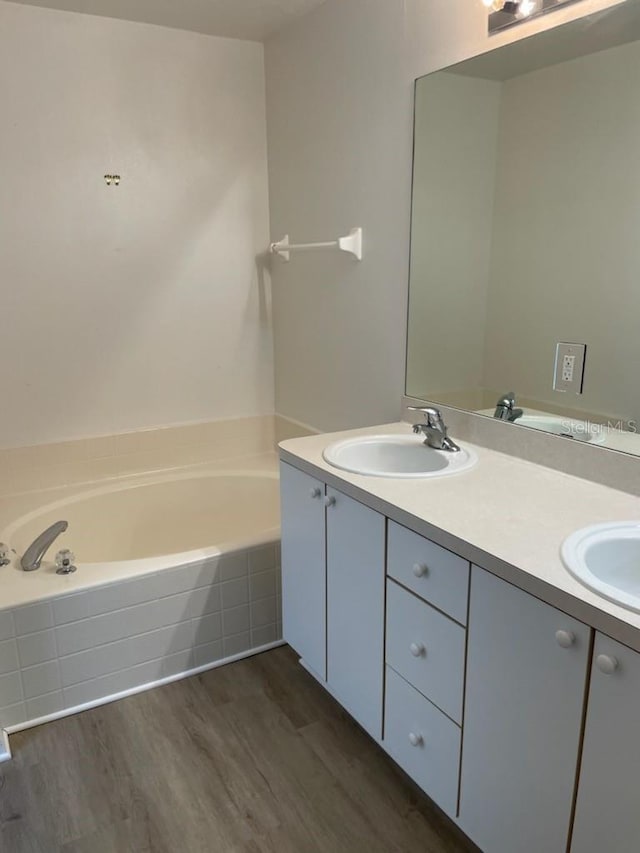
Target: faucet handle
{"points": [[432, 416]]}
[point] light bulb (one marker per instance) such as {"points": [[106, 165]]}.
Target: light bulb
{"points": [[527, 7]]}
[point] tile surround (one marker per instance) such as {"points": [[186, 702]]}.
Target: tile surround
{"points": [[88, 646]]}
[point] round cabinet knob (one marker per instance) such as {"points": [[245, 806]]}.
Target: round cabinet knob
{"points": [[316, 492], [565, 639], [607, 664], [415, 739], [329, 501], [420, 570], [417, 649]]}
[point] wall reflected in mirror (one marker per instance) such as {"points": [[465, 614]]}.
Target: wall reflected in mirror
{"points": [[526, 232]]}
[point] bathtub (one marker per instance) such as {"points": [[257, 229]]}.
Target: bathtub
{"points": [[177, 572]]}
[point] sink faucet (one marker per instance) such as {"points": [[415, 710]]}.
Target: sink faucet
{"points": [[506, 410], [434, 429], [35, 552]]}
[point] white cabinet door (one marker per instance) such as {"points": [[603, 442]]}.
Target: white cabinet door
{"points": [[608, 808], [523, 714], [304, 594], [355, 608]]}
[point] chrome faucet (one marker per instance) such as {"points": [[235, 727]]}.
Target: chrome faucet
{"points": [[434, 429], [506, 408], [34, 554]]}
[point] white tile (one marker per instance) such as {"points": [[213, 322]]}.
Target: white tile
{"points": [[109, 685], [10, 689], [207, 629], [41, 679], [265, 634], [174, 581], [261, 559], [236, 620], [42, 706], [178, 663], [209, 653], [232, 566], [125, 654], [32, 618], [264, 612], [6, 624], [37, 648], [262, 585], [8, 656], [71, 608], [235, 593], [174, 608], [205, 600], [236, 644], [117, 596], [13, 715], [107, 628]]}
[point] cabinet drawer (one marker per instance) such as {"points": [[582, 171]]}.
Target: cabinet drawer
{"points": [[432, 572], [424, 742], [426, 648]]}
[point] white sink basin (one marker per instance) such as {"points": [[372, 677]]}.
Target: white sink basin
{"points": [[569, 427], [396, 456], [606, 558]]}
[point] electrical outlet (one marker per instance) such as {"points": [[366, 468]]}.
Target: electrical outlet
{"points": [[568, 372]]}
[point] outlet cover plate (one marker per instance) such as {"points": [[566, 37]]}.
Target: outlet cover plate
{"points": [[575, 355]]}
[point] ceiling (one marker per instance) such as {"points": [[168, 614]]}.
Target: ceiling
{"points": [[254, 20]]}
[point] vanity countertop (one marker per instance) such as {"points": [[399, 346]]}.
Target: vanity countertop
{"points": [[507, 515]]}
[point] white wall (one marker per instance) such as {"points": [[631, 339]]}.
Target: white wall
{"points": [[135, 306], [339, 102]]}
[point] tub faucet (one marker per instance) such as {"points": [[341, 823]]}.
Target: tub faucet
{"points": [[34, 554], [434, 429], [506, 408]]}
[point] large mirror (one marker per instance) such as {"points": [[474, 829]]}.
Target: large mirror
{"points": [[525, 250]]}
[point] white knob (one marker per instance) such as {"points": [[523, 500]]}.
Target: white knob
{"points": [[607, 664], [417, 649], [420, 570], [329, 501], [316, 492], [415, 739], [565, 639]]}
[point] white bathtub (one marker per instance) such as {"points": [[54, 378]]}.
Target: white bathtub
{"points": [[177, 572]]}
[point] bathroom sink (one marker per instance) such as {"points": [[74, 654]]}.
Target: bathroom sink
{"points": [[568, 427], [606, 558], [396, 456]]}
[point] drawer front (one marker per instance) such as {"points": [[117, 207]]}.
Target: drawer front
{"points": [[426, 648], [432, 572], [424, 742]]}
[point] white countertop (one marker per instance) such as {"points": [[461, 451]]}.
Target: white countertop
{"points": [[507, 515]]}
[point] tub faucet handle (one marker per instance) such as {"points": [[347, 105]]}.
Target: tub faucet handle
{"points": [[64, 561], [5, 554]]}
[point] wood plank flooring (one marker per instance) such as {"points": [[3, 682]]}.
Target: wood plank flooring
{"points": [[253, 757]]}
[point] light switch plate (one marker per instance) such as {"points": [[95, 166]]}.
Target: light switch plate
{"points": [[568, 374]]}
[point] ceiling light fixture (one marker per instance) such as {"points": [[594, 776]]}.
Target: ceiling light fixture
{"points": [[506, 13]]}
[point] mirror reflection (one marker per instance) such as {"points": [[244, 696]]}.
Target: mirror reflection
{"points": [[525, 262]]}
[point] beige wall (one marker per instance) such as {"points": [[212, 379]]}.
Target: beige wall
{"points": [[452, 219], [135, 306], [339, 102], [566, 254]]}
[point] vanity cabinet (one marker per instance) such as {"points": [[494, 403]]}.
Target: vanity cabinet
{"points": [[333, 576], [526, 676], [304, 596], [607, 810]]}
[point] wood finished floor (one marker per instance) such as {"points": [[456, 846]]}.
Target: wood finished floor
{"points": [[253, 757]]}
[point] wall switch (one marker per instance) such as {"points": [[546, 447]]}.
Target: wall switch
{"points": [[568, 374]]}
